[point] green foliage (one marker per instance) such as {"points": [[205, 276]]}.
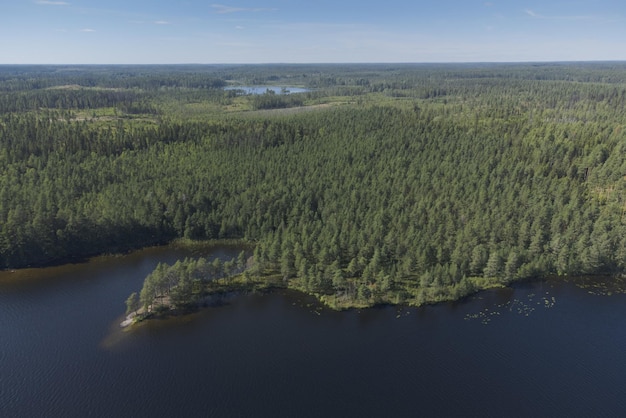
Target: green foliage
{"points": [[271, 100], [421, 183], [132, 303], [182, 284]]}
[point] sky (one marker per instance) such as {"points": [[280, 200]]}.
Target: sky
{"points": [[313, 31]]}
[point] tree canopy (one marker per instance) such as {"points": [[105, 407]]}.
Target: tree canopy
{"points": [[384, 183]]}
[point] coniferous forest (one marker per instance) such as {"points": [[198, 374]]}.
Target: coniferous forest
{"points": [[379, 184]]}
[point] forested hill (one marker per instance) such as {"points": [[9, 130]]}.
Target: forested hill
{"points": [[400, 184]]}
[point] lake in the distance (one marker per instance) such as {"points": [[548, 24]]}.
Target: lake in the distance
{"points": [[543, 349], [264, 89]]}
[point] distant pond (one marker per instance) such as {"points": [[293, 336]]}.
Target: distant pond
{"points": [[246, 90]]}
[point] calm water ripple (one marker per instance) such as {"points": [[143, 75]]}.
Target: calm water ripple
{"points": [[544, 349]]}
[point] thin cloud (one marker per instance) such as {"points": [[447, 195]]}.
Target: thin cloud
{"points": [[52, 3], [535, 15], [223, 9], [162, 22], [87, 30]]}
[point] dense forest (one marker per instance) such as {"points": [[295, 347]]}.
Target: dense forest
{"points": [[380, 184]]}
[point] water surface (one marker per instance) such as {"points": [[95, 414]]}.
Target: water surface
{"points": [[542, 349], [264, 89]]}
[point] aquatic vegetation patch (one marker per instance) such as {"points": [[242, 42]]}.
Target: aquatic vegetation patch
{"points": [[518, 306], [601, 285]]}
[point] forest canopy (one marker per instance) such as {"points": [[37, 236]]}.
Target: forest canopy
{"points": [[381, 183]]}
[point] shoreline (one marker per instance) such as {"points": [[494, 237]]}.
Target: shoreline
{"points": [[614, 282], [174, 243]]}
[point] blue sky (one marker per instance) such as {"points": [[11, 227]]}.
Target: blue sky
{"points": [[287, 31]]}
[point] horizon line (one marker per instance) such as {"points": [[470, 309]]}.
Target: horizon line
{"points": [[327, 63]]}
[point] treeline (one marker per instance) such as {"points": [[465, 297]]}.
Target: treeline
{"points": [[55, 134], [150, 78], [134, 102], [406, 200], [271, 100]]}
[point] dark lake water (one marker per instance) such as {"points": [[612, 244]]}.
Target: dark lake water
{"points": [[542, 349]]}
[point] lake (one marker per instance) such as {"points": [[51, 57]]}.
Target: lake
{"points": [[538, 349], [263, 89]]}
